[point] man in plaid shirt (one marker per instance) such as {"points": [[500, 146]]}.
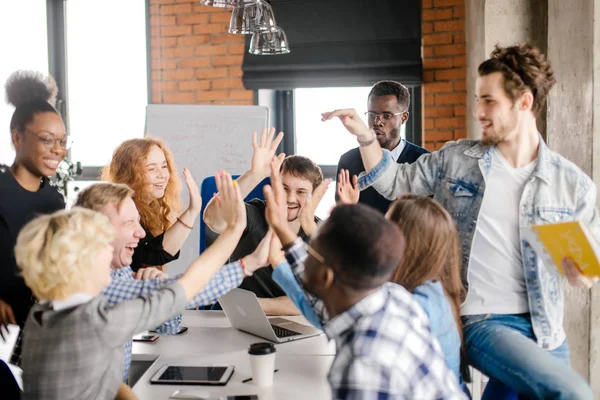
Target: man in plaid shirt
{"points": [[114, 201], [385, 348]]}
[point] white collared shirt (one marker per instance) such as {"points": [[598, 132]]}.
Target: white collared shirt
{"points": [[398, 150], [73, 300]]}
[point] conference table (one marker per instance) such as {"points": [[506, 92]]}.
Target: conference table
{"points": [[210, 340]]}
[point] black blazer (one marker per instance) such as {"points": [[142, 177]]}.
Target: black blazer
{"points": [[352, 161]]}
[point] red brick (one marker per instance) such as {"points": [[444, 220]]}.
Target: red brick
{"points": [[156, 75], [176, 9], [446, 3], [460, 134], [449, 26], [448, 74], [192, 86], [432, 112], [164, 86], [456, 98], [438, 136], [227, 60], [156, 98], [196, 40], [175, 30], [211, 50], [211, 73], [428, 76], [178, 52], [460, 86], [164, 64], [459, 38], [437, 63], [427, 51], [239, 102], [155, 54], [162, 20], [460, 61], [426, 3], [192, 19], [429, 99], [178, 75], [429, 123], [430, 146], [162, 1], [450, 49], [154, 9], [179, 98], [220, 17], [438, 87], [242, 95], [212, 95], [154, 31], [160, 41], [440, 38], [226, 38], [197, 62], [237, 48], [436, 14], [460, 111], [235, 71], [229, 83], [426, 27], [209, 28], [197, 7], [459, 12], [444, 123]]}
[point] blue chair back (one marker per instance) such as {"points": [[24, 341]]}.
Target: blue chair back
{"points": [[208, 188]]}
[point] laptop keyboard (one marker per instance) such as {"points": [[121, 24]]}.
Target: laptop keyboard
{"points": [[282, 332]]}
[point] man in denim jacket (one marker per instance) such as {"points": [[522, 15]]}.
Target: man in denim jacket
{"points": [[494, 187]]}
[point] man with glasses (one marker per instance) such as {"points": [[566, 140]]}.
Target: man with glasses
{"points": [[388, 104]]}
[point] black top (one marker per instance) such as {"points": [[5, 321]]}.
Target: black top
{"points": [[352, 161], [18, 206], [261, 281], [150, 252]]}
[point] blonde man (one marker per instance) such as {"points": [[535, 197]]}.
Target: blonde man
{"points": [[74, 339], [115, 201]]}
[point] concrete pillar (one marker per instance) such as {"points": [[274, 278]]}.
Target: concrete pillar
{"points": [[566, 32]]}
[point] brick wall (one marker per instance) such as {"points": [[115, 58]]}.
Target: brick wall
{"points": [[193, 58], [444, 65], [195, 61]]}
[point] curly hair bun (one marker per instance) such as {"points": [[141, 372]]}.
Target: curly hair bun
{"points": [[24, 87]]}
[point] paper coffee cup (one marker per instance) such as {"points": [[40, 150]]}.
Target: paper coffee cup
{"points": [[262, 363]]}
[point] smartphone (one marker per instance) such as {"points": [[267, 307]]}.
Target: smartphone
{"points": [[145, 338], [181, 330]]}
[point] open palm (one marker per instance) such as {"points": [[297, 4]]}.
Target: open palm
{"points": [[264, 151], [347, 189]]}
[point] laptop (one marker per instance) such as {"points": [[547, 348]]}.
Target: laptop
{"points": [[245, 314]]}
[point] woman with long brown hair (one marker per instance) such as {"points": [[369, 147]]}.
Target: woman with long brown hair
{"points": [[147, 166]]}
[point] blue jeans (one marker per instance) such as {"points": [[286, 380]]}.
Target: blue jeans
{"points": [[504, 348]]}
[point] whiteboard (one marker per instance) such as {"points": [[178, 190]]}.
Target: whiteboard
{"points": [[204, 139]]}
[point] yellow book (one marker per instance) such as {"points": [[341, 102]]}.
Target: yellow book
{"points": [[553, 242]]}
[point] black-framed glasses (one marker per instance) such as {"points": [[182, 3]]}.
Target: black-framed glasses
{"points": [[49, 143], [384, 116]]}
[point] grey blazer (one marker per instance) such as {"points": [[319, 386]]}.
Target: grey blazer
{"points": [[77, 353]]}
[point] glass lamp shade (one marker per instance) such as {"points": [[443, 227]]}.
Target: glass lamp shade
{"points": [[269, 42], [255, 16]]}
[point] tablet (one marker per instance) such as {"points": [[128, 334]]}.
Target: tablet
{"points": [[191, 375]]}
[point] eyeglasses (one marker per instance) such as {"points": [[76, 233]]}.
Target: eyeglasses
{"points": [[49, 143], [384, 116]]}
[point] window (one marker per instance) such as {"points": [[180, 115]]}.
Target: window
{"points": [[24, 45], [107, 76]]}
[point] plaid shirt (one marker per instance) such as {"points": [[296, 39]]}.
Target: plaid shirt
{"points": [[385, 348], [124, 287]]}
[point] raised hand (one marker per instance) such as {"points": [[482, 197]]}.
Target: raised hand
{"points": [[195, 198], [230, 202], [264, 151], [258, 258], [307, 214], [276, 212], [352, 122], [347, 190]]}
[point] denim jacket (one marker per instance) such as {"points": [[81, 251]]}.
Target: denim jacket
{"points": [[557, 191]]}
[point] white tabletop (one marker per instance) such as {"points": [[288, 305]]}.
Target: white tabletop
{"points": [[303, 364], [210, 332], [298, 377]]}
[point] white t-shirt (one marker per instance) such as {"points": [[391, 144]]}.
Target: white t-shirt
{"points": [[496, 278]]}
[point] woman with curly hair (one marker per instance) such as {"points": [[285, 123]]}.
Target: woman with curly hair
{"points": [[147, 166], [40, 141]]}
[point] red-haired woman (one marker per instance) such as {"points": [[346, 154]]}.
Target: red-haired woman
{"points": [[147, 166]]}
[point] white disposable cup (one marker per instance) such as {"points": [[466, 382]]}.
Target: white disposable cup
{"points": [[262, 363]]}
